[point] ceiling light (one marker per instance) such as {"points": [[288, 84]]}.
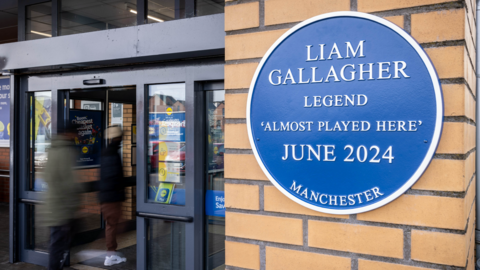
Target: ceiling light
{"points": [[150, 17], [40, 33], [155, 19]]}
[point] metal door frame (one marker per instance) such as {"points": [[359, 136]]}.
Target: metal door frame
{"points": [[193, 73]]}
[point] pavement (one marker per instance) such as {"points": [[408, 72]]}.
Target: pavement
{"points": [[4, 248]]}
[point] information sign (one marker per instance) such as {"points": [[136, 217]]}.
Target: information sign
{"points": [[4, 112], [88, 139], [344, 112]]}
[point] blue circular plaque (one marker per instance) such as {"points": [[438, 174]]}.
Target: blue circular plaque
{"points": [[344, 112]]}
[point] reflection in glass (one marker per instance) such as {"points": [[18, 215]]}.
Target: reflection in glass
{"points": [[38, 236], [9, 29], [165, 245], [94, 15], [209, 7], [165, 10], [38, 21], [215, 197], [166, 144], [40, 128]]}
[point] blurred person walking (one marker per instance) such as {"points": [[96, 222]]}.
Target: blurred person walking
{"points": [[112, 192], [62, 198]]}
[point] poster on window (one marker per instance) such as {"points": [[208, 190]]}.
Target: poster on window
{"points": [[4, 112], [88, 139], [168, 126]]}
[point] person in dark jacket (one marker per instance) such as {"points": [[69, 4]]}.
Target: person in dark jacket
{"points": [[112, 192]]}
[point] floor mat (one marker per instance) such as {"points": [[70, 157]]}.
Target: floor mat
{"points": [[129, 252]]}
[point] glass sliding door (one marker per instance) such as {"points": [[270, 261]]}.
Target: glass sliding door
{"points": [[215, 183], [166, 175], [40, 133], [166, 144], [40, 130]]}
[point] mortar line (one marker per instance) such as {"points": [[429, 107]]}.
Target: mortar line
{"points": [[346, 221], [407, 244], [339, 253], [407, 23], [353, 5]]}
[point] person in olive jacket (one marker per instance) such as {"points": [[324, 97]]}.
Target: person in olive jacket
{"points": [[112, 192], [63, 196]]}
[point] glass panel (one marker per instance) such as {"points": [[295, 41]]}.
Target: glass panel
{"points": [[165, 10], [215, 197], [166, 144], [39, 21], [38, 236], [94, 15], [9, 23], [40, 137], [165, 245], [209, 7], [86, 105]]}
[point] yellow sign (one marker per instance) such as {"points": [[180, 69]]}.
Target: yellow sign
{"points": [[85, 149], [215, 150], [169, 111], [162, 171], [164, 193], [162, 151]]}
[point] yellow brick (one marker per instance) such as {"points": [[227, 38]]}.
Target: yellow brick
{"points": [[471, 260], [239, 76], [375, 5], [242, 255], [242, 16], [236, 136], [469, 72], [242, 196], [458, 101], [439, 25], [469, 199], [471, 16], [287, 11], [236, 105], [436, 247], [252, 45], [239, 166], [469, 168], [457, 138], [398, 20], [275, 201], [429, 211], [356, 238], [265, 228], [373, 265], [469, 38], [444, 175], [278, 259], [448, 61]]}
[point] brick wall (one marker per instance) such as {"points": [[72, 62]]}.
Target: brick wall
{"points": [[431, 226], [129, 206], [90, 203]]}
